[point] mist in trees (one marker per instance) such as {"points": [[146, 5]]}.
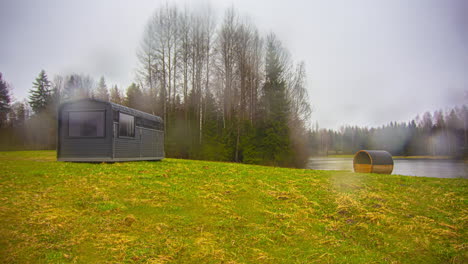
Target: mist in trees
{"points": [[102, 93], [77, 86], [135, 98], [5, 100], [441, 133], [31, 124], [224, 91]]}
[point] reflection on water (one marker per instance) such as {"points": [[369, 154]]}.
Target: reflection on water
{"points": [[411, 167]]}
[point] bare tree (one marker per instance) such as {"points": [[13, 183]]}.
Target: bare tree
{"points": [[208, 28], [193, 70], [298, 95], [58, 85], [78, 86], [242, 45], [300, 112], [146, 72], [226, 50], [184, 52]]}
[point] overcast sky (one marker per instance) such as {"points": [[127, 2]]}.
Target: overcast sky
{"points": [[368, 62]]}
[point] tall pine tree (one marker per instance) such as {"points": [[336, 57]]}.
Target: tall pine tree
{"points": [[40, 95], [115, 96], [275, 132], [101, 91], [134, 97]]}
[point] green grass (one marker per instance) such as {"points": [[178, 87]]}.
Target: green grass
{"points": [[182, 211]]}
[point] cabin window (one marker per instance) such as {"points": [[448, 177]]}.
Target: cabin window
{"points": [[146, 123], [86, 124], [115, 115], [126, 125]]}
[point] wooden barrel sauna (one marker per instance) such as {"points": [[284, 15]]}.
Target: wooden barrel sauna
{"points": [[373, 161]]}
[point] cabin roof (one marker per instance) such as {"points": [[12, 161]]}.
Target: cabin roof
{"points": [[121, 108]]}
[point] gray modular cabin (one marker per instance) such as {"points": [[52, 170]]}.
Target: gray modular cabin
{"points": [[91, 130]]}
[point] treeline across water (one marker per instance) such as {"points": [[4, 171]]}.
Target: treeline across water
{"points": [[440, 133], [225, 91]]}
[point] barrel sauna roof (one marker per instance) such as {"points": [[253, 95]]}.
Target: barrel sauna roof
{"points": [[374, 157]]}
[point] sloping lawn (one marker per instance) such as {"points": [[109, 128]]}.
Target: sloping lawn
{"points": [[183, 211]]}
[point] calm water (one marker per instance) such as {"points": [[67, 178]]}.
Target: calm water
{"points": [[411, 167]]}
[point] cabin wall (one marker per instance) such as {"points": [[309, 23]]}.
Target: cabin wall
{"points": [[72, 147], [156, 148], [147, 143], [127, 147], [159, 144]]}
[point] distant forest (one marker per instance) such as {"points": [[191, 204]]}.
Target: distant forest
{"points": [[226, 92], [441, 133]]}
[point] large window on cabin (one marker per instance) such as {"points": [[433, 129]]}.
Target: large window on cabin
{"points": [[126, 125], [86, 124]]}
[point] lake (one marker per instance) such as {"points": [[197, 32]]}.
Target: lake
{"points": [[410, 167]]}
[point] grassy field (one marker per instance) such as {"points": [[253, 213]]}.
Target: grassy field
{"points": [[181, 211]]}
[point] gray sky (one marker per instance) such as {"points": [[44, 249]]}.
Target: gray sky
{"points": [[368, 62]]}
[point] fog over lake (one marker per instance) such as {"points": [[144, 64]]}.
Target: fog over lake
{"points": [[409, 167]]}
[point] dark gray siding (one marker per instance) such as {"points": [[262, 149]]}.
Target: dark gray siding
{"points": [[85, 147], [148, 137], [147, 143], [128, 147], [159, 143]]}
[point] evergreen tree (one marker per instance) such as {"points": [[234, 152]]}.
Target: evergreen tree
{"points": [[101, 92], [40, 94], [4, 101], [275, 106], [134, 97], [275, 100], [115, 96], [212, 147]]}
